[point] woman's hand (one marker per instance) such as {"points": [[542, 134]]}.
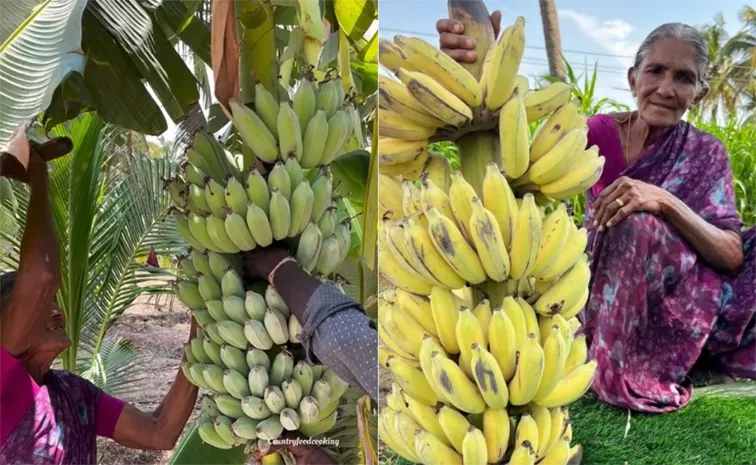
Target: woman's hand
{"points": [[455, 44], [39, 155], [303, 453], [625, 196], [259, 262]]}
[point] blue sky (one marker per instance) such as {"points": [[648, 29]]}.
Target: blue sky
{"points": [[613, 27]]}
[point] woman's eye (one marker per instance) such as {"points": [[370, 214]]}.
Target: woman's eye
{"points": [[686, 79]]}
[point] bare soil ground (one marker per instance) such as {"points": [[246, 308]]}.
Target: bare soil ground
{"points": [[159, 331]]}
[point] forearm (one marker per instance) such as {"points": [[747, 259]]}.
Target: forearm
{"points": [[39, 246], [295, 286], [721, 249]]}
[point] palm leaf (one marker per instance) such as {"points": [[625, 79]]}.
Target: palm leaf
{"points": [[115, 368], [38, 41]]}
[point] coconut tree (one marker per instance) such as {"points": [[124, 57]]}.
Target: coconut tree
{"points": [[552, 38]]}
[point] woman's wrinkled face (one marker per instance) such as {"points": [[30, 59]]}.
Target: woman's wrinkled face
{"points": [[665, 83]]}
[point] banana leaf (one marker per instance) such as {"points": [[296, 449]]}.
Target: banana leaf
{"points": [[193, 451], [355, 16], [39, 41]]}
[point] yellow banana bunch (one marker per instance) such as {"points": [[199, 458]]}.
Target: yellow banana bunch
{"points": [[437, 100], [393, 57], [488, 241], [504, 62], [441, 67], [571, 387], [524, 384], [582, 178], [398, 126], [569, 254], [544, 101], [391, 436], [452, 246], [394, 96], [563, 120], [526, 238], [560, 159], [394, 151], [393, 239], [554, 235], [438, 170], [513, 138], [499, 199], [567, 291]]}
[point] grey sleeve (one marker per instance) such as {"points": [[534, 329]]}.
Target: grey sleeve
{"points": [[342, 337]]}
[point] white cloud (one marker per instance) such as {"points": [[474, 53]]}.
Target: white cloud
{"points": [[611, 34]]}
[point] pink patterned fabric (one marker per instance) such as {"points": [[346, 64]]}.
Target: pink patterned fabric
{"points": [[655, 307], [55, 423]]}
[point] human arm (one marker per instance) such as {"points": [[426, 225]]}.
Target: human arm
{"points": [[39, 263], [160, 429], [455, 44], [722, 249]]}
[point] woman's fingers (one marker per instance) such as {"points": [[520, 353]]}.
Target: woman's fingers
{"points": [[54, 148], [622, 213], [496, 21], [461, 55], [449, 25], [608, 207], [454, 41]]}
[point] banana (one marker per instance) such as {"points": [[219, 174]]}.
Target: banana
{"points": [[504, 63], [289, 133], [531, 318], [256, 334], [212, 332], [391, 436], [461, 194], [322, 188], [197, 201], [276, 326], [218, 163], [441, 67], [178, 191], [394, 151], [430, 449], [542, 418], [568, 291], [257, 357], [393, 57], [452, 246], [201, 261], [524, 384], [310, 243], [233, 333], [279, 179], [245, 428], [254, 407], [432, 196], [234, 358], [270, 428], [482, 312], [259, 380], [503, 342], [563, 120], [258, 225], [412, 381], [254, 306], [558, 455], [396, 244], [390, 202], [282, 367], [238, 232], [571, 387], [301, 208], [232, 285], [526, 238], [570, 253], [327, 222], [194, 175], [303, 375], [266, 107], [428, 346], [487, 238], [189, 294], [578, 180], [214, 378], [420, 247], [289, 419], [469, 333], [513, 138], [209, 288], [235, 383], [570, 313], [392, 270], [329, 257], [489, 378], [412, 201], [198, 227], [216, 229], [203, 317], [445, 307], [554, 235], [304, 104], [474, 448], [328, 97], [274, 300], [208, 434], [562, 158], [280, 216], [257, 190], [577, 355], [559, 419], [554, 360], [420, 309], [395, 125], [453, 424], [198, 350], [435, 98], [182, 226], [394, 321], [216, 310], [544, 101], [499, 199], [527, 431], [213, 351], [314, 140], [496, 428], [254, 132], [425, 416], [452, 381], [394, 96], [438, 170], [408, 170], [339, 132], [295, 171]]}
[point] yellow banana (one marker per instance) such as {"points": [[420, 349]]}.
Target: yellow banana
{"points": [[408, 169], [560, 159], [400, 277], [531, 319], [571, 387], [486, 236], [521, 87], [554, 360], [432, 196], [526, 238], [393, 437], [430, 345], [567, 291], [445, 307], [529, 371], [452, 246], [393, 151], [420, 309], [398, 126], [563, 120], [513, 138], [489, 378], [393, 95], [554, 235], [516, 317], [527, 431], [430, 449], [460, 391], [474, 450], [412, 381], [544, 101], [392, 334], [393, 239], [408, 326], [393, 57], [496, 431], [577, 355], [505, 62], [423, 255], [441, 67], [391, 196], [576, 181], [482, 312], [558, 455], [438, 170], [407, 428], [387, 337], [412, 199], [570, 313], [499, 199], [384, 352], [542, 418], [469, 333], [461, 194], [437, 100], [502, 342], [559, 420], [523, 454], [569, 254], [454, 425], [425, 416]]}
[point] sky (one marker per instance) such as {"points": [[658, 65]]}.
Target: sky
{"points": [[590, 30]]}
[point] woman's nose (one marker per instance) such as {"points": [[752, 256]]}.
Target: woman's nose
{"points": [[666, 87]]}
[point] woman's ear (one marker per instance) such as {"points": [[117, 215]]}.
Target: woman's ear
{"points": [[700, 96], [631, 79]]}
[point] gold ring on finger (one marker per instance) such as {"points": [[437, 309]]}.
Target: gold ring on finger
{"points": [[620, 203]]}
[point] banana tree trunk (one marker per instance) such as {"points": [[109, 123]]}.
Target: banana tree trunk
{"points": [[552, 38]]}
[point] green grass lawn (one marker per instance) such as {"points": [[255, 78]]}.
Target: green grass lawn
{"points": [[718, 427]]}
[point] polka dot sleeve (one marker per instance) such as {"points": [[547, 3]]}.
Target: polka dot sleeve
{"points": [[342, 337]]}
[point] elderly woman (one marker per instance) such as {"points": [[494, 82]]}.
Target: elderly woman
{"points": [[674, 273], [53, 416]]}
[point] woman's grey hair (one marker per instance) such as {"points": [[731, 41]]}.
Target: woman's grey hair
{"points": [[7, 281], [682, 32]]}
